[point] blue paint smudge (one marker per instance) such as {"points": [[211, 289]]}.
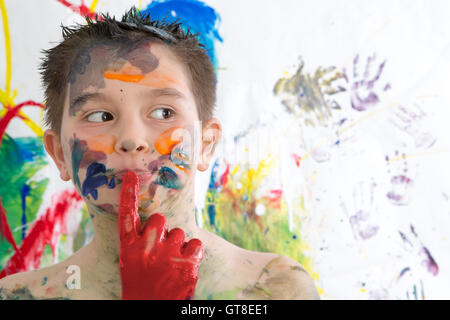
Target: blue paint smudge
{"points": [[195, 16], [112, 183], [24, 193], [168, 179], [95, 178]]}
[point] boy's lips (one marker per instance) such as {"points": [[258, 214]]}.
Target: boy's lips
{"points": [[143, 175]]}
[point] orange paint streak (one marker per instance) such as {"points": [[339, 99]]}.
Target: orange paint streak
{"points": [[102, 142], [159, 80], [124, 77], [154, 79], [167, 140], [182, 168], [144, 197]]}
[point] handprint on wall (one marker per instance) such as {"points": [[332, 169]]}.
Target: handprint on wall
{"points": [[365, 87], [409, 120], [420, 255], [363, 211], [401, 183], [308, 96]]}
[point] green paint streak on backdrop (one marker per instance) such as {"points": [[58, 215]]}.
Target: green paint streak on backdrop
{"points": [[20, 160], [231, 223]]}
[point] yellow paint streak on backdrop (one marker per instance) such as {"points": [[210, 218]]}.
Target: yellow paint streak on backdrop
{"points": [[93, 5], [5, 95], [6, 98]]}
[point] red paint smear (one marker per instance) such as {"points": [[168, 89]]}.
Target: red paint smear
{"points": [[154, 264], [46, 230], [223, 180], [297, 159], [275, 198], [5, 229], [13, 112], [82, 9]]}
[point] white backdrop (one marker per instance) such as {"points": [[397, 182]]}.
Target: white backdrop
{"points": [[375, 181]]}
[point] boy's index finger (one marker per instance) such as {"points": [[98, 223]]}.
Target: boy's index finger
{"points": [[129, 222]]}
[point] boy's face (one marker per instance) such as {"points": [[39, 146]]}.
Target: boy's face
{"points": [[131, 110]]}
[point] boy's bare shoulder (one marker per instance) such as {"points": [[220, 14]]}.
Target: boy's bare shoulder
{"points": [[33, 285], [279, 278], [246, 274]]}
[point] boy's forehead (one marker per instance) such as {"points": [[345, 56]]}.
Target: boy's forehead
{"points": [[92, 63]]}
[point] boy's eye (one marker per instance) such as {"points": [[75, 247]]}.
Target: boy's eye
{"points": [[100, 116], [162, 113]]}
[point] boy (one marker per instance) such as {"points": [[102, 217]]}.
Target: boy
{"points": [[129, 104]]}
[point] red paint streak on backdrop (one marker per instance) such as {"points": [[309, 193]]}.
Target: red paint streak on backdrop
{"points": [[46, 230], [275, 198], [297, 159], [13, 112], [82, 9], [5, 229], [223, 180]]}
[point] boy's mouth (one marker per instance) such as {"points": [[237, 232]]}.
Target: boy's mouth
{"points": [[144, 176]]}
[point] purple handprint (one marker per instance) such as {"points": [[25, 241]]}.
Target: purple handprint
{"points": [[362, 87], [363, 220]]}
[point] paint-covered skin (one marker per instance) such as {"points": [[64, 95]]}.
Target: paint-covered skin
{"points": [[23, 293], [95, 178], [154, 264], [95, 124]]}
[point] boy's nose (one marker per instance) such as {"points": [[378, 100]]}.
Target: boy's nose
{"points": [[129, 146], [132, 135]]}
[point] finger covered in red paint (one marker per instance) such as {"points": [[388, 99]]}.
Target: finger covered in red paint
{"points": [[193, 250], [155, 231], [129, 222], [176, 238]]}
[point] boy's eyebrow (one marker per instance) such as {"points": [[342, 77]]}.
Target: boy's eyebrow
{"points": [[171, 92], [79, 101]]}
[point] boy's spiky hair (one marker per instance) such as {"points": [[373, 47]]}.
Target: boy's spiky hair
{"points": [[58, 62]]}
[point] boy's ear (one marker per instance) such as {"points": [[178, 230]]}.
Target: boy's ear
{"points": [[52, 144], [211, 133]]}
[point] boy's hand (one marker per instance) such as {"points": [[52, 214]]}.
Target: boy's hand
{"points": [[154, 264]]}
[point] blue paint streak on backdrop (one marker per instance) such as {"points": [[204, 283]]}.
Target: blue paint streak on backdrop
{"points": [[213, 183], [24, 193], [31, 148], [195, 15], [212, 214]]}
